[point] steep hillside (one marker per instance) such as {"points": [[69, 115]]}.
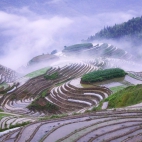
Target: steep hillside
{"points": [[129, 96], [131, 29]]}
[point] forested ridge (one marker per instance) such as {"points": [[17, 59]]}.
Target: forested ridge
{"points": [[129, 29]]}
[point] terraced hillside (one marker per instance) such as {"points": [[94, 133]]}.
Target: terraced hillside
{"points": [[109, 126], [99, 50], [57, 91], [13, 121], [18, 99], [70, 98], [7, 75]]}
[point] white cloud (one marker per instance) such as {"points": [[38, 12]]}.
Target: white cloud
{"points": [[29, 37], [32, 34]]}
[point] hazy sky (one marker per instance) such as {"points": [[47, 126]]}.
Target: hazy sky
{"points": [[32, 27]]}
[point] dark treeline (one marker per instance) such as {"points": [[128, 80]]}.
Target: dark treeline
{"points": [[129, 29]]}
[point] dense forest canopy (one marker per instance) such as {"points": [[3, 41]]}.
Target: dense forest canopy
{"points": [[131, 28]]}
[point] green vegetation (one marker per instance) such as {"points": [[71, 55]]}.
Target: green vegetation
{"points": [[99, 107], [39, 105], [4, 91], [102, 75], [54, 117], [3, 114], [52, 76], [59, 84], [14, 126], [129, 96], [117, 88], [131, 28], [86, 85], [1, 110], [37, 72], [77, 47], [44, 93], [5, 85], [19, 125]]}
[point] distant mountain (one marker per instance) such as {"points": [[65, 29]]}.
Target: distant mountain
{"points": [[130, 30], [43, 58], [77, 47], [92, 50]]}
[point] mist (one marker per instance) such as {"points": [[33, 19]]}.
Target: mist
{"points": [[31, 29]]}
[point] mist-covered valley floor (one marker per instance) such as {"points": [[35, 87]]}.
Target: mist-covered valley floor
{"points": [[70, 71]]}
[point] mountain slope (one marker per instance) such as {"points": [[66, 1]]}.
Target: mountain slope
{"points": [[130, 96], [131, 29]]}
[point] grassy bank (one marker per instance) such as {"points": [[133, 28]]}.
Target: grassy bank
{"points": [[37, 72], [129, 96], [117, 88]]}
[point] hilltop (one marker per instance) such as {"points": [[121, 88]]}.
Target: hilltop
{"points": [[130, 30], [43, 58]]}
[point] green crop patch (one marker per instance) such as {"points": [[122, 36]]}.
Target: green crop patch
{"points": [[3, 115], [77, 47], [52, 76], [102, 75], [117, 88], [40, 104], [38, 72]]}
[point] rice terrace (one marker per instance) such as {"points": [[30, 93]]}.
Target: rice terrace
{"points": [[87, 100], [55, 87]]}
